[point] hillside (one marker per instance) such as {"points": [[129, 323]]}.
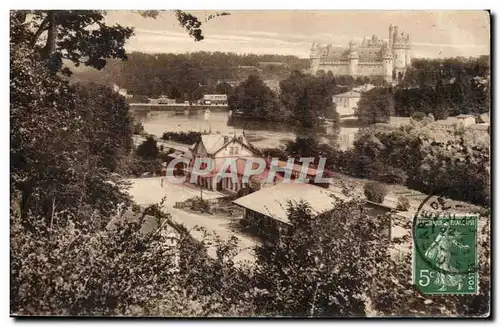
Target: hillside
{"points": [[174, 74]]}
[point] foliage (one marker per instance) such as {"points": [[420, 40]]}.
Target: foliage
{"points": [[375, 191], [375, 106], [108, 125], [153, 75], [81, 36], [55, 162], [190, 137], [403, 203], [427, 159], [308, 98], [320, 266], [224, 88], [418, 115], [256, 101], [148, 149], [137, 128], [449, 86]]}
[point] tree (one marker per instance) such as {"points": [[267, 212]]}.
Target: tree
{"points": [[71, 35], [108, 125], [375, 191], [376, 106], [256, 100], [224, 88], [148, 149], [308, 98], [54, 163], [320, 266]]}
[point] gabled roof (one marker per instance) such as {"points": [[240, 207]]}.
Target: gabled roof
{"points": [[273, 201], [212, 142]]}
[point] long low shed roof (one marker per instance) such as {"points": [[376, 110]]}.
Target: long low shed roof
{"points": [[274, 201]]}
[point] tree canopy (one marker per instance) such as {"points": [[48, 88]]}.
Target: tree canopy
{"points": [[375, 106]]}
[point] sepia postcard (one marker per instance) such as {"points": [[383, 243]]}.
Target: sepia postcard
{"points": [[172, 163]]}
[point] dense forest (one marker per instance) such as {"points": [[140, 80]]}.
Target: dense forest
{"points": [[445, 87], [190, 74]]}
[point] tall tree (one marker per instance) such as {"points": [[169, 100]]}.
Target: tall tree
{"points": [[376, 106], [308, 98], [256, 100], [320, 266]]}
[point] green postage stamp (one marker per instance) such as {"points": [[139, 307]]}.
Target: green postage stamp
{"points": [[445, 254]]}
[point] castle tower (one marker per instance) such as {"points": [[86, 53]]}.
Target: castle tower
{"points": [[408, 50], [391, 35], [387, 66], [315, 57], [353, 58], [399, 53]]}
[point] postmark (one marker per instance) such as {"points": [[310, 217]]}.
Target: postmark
{"points": [[444, 251]]}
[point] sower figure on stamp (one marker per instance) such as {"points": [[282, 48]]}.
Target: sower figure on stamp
{"points": [[440, 252]]}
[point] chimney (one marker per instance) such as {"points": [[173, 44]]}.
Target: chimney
{"points": [[226, 139]]}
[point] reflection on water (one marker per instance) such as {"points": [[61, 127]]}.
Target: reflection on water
{"points": [[261, 134]]}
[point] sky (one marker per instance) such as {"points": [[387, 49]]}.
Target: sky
{"points": [[434, 33]]}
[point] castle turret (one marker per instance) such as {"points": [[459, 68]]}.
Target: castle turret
{"points": [[391, 35], [399, 53], [408, 50], [315, 56], [353, 59]]}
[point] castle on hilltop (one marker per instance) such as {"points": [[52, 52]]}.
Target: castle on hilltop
{"points": [[373, 57]]}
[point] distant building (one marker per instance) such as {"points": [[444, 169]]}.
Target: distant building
{"points": [[451, 123], [214, 99], [373, 57], [346, 103], [466, 120], [162, 100], [122, 92]]}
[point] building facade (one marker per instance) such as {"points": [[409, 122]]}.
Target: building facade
{"points": [[373, 57], [218, 148], [346, 103], [215, 99]]}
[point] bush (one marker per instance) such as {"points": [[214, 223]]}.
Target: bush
{"points": [[137, 129], [418, 115], [199, 204], [403, 203], [136, 208], [375, 192], [189, 137]]}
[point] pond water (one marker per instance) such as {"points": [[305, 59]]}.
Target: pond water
{"points": [[261, 134]]}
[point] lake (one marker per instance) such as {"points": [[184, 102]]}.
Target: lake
{"points": [[261, 134]]}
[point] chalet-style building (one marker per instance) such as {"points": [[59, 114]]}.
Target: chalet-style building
{"points": [[220, 147]]}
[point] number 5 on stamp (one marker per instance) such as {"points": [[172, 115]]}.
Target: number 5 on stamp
{"points": [[445, 255]]}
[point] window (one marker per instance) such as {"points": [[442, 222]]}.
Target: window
{"points": [[236, 150], [231, 151]]}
